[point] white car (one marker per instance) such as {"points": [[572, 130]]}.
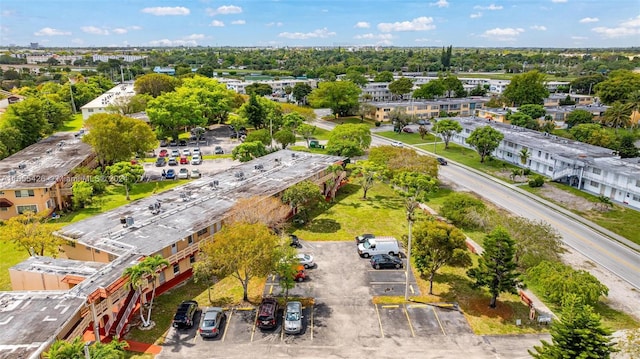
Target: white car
{"points": [[183, 173], [306, 260], [397, 144], [196, 160], [186, 152], [196, 152], [195, 173]]}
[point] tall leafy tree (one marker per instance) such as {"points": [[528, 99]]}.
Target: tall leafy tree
{"points": [[302, 196], [586, 84], [523, 120], [248, 151], [534, 111], [254, 112], [430, 90], [300, 92], [577, 117], [617, 116], [349, 140], [155, 84], [306, 131], [438, 244], [579, 334], [259, 89], [31, 232], [526, 88], [340, 96], [356, 77], [231, 254], [560, 280], [446, 129], [618, 86], [453, 86], [28, 116], [535, 241], [496, 268], [401, 87], [366, 173], [126, 174], [485, 140], [626, 146], [285, 137], [384, 76]]}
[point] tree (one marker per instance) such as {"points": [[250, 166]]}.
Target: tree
{"points": [[82, 194], [496, 268], [524, 120], [617, 116], [438, 244], [586, 84], [454, 86], [302, 196], [395, 160], [340, 96], [532, 110], [286, 268], [366, 174], [422, 131], [62, 349], [445, 57], [560, 280], [349, 140], [399, 117], [356, 77], [232, 254], [626, 146], [384, 76], [117, 138], [126, 174], [430, 90], [31, 232], [485, 139], [247, 151], [447, 128], [401, 86], [258, 89], [300, 92], [29, 118], [478, 91], [366, 110], [260, 136], [306, 131], [267, 210], [460, 208], [536, 241], [128, 105], [10, 140], [141, 273], [524, 155], [291, 121], [578, 334], [577, 117], [618, 86], [155, 84], [526, 88], [285, 137]]}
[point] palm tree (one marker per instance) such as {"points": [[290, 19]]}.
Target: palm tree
{"points": [[135, 276], [634, 106], [154, 265], [524, 155], [147, 269], [618, 115]]}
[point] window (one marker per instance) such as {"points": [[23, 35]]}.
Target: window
{"points": [[176, 268], [637, 183], [597, 171], [546, 156], [28, 208], [25, 193], [509, 154], [539, 153], [594, 184], [550, 169], [3, 209], [190, 239], [636, 198], [203, 231], [97, 251], [192, 258]]}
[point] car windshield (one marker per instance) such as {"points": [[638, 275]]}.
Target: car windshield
{"points": [[293, 316], [366, 244], [209, 323]]}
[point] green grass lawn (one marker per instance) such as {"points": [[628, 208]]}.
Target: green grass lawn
{"points": [[73, 125], [409, 138], [352, 120], [11, 255]]}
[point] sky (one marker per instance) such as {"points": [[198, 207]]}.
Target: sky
{"points": [[278, 23]]}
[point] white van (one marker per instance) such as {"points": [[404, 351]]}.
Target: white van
{"points": [[379, 245]]}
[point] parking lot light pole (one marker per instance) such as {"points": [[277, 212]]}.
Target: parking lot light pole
{"points": [[411, 206]]}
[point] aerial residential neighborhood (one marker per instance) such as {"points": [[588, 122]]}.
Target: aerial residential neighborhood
{"points": [[186, 181]]}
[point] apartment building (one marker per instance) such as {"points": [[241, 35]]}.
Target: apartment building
{"points": [[101, 103], [431, 108], [597, 170], [38, 178], [377, 92], [99, 249], [554, 99], [278, 86]]}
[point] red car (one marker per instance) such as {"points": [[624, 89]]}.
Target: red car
{"points": [[184, 160], [163, 153], [301, 275]]}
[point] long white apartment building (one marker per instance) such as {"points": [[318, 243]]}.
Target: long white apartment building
{"points": [[278, 86], [100, 103]]}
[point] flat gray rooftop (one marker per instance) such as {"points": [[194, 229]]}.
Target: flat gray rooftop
{"points": [[194, 206], [29, 319], [43, 163], [58, 266]]}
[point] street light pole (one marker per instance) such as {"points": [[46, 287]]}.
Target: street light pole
{"points": [[408, 272]]}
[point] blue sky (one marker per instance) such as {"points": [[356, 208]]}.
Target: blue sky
{"points": [[507, 23]]}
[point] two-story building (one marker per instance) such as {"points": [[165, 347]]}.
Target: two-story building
{"points": [[430, 108], [98, 250], [101, 103], [38, 178]]}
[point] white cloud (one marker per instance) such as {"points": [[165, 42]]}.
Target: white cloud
{"points": [[47, 31], [194, 37], [422, 23], [319, 33], [374, 36], [491, 7], [94, 30], [77, 41], [167, 42], [120, 31], [538, 27], [276, 24], [476, 15], [579, 38], [166, 10], [558, 1], [224, 10], [362, 25], [7, 13], [587, 20], [630, 27], [440, 3], [500, 34], [135, 27], [324, 10], [238, 22], [217, 23]]}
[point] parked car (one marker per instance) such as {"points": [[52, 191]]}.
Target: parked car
{"points": [[186, 152], [173, 143], [397, 144], [163, 153], [171, 174], [380, 261], [173, 161], [361, 238], [196, 160], [408, 129], [379, 245], [301, 275], [182, 143], [184, 160], [441, 161], [183, 173], [161, 161], [306, 260], [195, 173], [184, 314], [211, 321], [293, 318], [175, 153], [164, 143], [196, 152], [218, 150], [267, 314]]}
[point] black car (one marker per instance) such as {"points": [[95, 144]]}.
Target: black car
{"points": [[218, 150], [441, 161], [182, 143], [185, 314], [267, 314], [361, 238], [161, 161], [380, 261]]}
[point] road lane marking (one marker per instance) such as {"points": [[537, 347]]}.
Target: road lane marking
{"points": [[413, 334], [226, 327], [379, 321], [438, 319], [253, 328]]}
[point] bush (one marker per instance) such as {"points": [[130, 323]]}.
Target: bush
{"points": [[378, 123], [536, 181], [526, 172], [463, 210], [559, 280]]}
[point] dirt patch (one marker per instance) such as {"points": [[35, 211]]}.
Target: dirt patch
{"points": [[566, 199]]}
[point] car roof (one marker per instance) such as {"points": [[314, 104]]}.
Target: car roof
{"points": [[294, 305], [212, 312]]}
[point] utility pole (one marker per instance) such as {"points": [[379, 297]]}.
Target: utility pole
{"points": [[411, 205], [73, 105]]}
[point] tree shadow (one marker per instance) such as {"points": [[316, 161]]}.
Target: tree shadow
{"points": [[323, 225], [388, 202]]}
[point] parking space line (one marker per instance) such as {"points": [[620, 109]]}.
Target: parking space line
{"points": [[411, 288], [253, 329], [406, 312], [379, 320], [438, 319], [389, 306], [377, 283], [270, 289], [226, 327], [282, 330]]}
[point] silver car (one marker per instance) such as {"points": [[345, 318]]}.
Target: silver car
{"points": [[211, 321], [306, 260], [293, 318]]}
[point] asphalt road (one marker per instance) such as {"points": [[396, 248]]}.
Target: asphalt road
{"points": [[610, 254]]}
